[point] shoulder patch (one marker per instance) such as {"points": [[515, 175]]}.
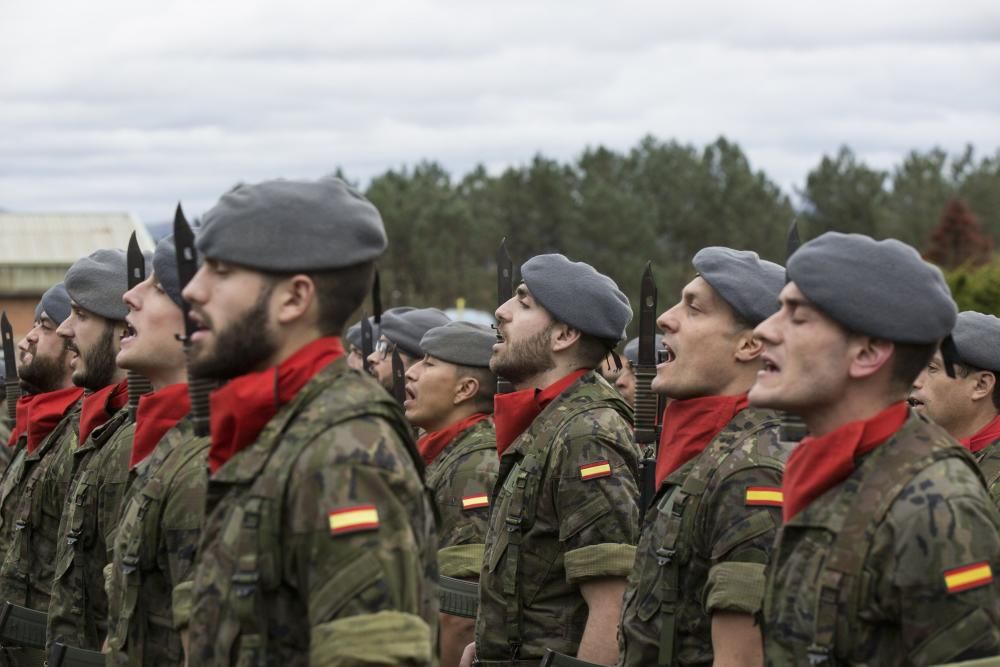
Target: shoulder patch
{"points": [[353, 519], [771, 496], [595, 470], [969, 576], [475, 502]]}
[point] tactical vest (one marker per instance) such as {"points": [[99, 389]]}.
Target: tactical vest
{"points": [[12, 478], [670, 529], [515, 503], [255, 521], [138, 564], [836, 572], [466, 443]]}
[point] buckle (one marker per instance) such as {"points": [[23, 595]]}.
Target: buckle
{"points": [[664, 556], [818, 655]]}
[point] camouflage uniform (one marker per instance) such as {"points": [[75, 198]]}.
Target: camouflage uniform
{"points": [[26, 573], [565, 510], [858, 577], [989, 462], [705, 542], [78, 608], [10, 482], [459, 477], [285, 574], [149, 580]]}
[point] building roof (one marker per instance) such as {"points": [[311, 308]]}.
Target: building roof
{"points": [[38, 248]]}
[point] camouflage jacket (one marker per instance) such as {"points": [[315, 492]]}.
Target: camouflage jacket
{"points": [[704, 544], [891, 566], [149, 582], [461, 478], [26, 573], [989, 462], [6, 453], [10, 481], [78, 609], [568, 491], [319, 543]]}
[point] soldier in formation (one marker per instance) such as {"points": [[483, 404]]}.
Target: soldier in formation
{"points": [[310, 527]]}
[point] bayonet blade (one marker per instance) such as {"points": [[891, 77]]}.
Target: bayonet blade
{"points": [[377, 306], [367, 340], [187, 264], [12, 386], [398, 378], [645, 371], [136, 262], [792, 240]]}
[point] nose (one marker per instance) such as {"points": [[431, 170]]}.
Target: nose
{"points": [[667, 321], [767, 331], [194, 291], [131, 299]]}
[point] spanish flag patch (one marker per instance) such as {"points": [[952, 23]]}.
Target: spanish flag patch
{"points": [[475, 502], [595, 470], [353, 519], [970, 576], [770, 496]]}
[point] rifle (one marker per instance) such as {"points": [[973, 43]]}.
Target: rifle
{"points": [[398, 378], [12, 386], [61, 655], [505, 288], [137, 384], [369, 333], [187, 266], [20, 626], [647, 403]]}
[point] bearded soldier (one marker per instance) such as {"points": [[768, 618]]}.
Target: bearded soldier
{"points": [[92, 330], [319, 543], [968, 405], [890, 541], [564, 521], [402, 329], [449, 394]]}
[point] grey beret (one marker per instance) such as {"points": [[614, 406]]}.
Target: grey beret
{"points": [[877, 288], [406, 328], [977, 340], [165, 269], [54, 303], [98, 282], [285, 226], [353, 335], [749, 284], [576, 294], [631, 351], [461, 343]]}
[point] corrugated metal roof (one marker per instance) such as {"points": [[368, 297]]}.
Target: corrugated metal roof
{"points": [[47, 239]]}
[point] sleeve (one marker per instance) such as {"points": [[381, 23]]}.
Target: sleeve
{"points": [[463, 497], [357, 550], [935, 562], [741, 517], [597, 497], [183, 518]]}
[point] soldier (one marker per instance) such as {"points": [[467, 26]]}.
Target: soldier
{"points": [[698, 579], [47, 395], [623, 379], [968, 405], [449, 393], [564, 522], [92, 330], [889, 542], [402, 329], [319, 541], [149, 581]]}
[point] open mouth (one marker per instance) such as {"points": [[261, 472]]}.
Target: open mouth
{"points": [[665, 355], [769, 366], [410, 395], [914, 402], [496, 328], [129, 332]]}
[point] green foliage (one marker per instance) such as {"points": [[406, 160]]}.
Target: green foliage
{"points": [[977, 288]]}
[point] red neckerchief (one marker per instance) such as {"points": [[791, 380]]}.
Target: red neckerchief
{"points": [[45, 411], [689, 425], [99, 407], [242, 408], [514, 412], [158, 412], [819, 464], [432, 444], [984, 437], [20, 418]]}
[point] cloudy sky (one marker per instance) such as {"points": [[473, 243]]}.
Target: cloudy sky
{"points": [[111, 105]]}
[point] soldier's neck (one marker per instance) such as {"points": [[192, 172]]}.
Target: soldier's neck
{"points": [[976, 423], [543, 380], [167, 377], [460, 412], [851, 407]]}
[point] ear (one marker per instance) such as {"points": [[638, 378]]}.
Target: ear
{"points": [[868, 356], [294, 297], [466, 387], [748, 346], [563, 337], [985, 381]]}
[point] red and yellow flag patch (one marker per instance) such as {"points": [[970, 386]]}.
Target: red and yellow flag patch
{"points": [[475, 502], [770, 496], [595, 470], [353, 519], [970, 576]]}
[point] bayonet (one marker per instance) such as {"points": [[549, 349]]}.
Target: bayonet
{"points": [[792, 428], [11, 384], [646, 401], [369, 333], [136, 264], [187, 266], [505, 289], [398, 377], [792, 240]]}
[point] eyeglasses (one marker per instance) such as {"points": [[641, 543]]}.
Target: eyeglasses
{"points": [[384, 348]]}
